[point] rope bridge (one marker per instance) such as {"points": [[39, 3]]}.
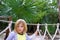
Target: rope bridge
{"points": [[38, 25]]}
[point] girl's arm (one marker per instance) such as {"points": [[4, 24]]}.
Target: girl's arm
{"points": [[34, 35]]}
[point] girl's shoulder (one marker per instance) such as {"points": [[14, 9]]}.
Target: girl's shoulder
{"points": [[12, 33]]}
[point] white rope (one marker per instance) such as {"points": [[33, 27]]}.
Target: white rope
{"points": [[4, 30], [56, 31], [48, 32], [54, 34], [8, 27], [6, 21], [46, 28], [27, 23], [38, 29]]}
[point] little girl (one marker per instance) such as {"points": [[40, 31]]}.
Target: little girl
{"points": [[19, 32]]}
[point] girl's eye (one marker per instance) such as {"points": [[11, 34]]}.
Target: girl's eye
{"points": [[21, 26]]}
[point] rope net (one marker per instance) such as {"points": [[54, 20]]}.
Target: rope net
{"points": [[40, 37]]}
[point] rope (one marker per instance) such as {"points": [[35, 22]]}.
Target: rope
{"points": [[27, 23], [38, 25], [8, 27], [46, 31], [38, 29], [4, 30], [55, 32]]}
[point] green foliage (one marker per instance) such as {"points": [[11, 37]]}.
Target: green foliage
{"points": [[52, 29], [33, 11]]}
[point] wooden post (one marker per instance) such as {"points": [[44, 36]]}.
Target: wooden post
{"points": [[58, 1], [7, 31]]}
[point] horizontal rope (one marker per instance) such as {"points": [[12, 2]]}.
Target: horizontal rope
{"points": [[27, 23]]}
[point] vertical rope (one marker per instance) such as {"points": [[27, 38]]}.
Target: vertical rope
{"points": [[38, 29], [45, 30], [56, 31], [10, 26]]}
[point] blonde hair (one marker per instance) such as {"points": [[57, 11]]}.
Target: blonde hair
{"points": [[17, 24]]}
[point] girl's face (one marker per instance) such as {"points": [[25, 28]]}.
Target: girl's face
{"points": [[20, 28]]}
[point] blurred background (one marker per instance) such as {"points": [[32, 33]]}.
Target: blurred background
{"points": [[32, 11]]}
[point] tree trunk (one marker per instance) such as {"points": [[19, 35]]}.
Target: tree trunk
{"points": [[59, 11]]}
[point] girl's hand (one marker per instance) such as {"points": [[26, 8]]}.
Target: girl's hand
{"points": [[36, 33]]}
